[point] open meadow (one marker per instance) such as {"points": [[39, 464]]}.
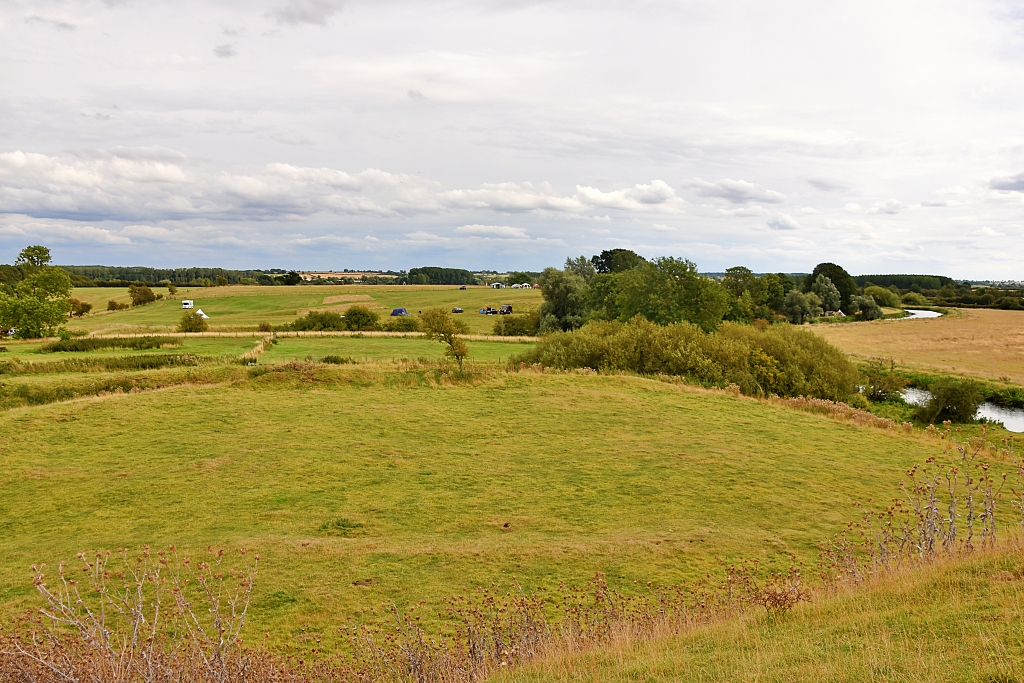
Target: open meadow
{"points": [[983, 343], [368, 483], [245, 307]]}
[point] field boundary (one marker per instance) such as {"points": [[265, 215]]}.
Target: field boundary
{"points": [[313, 333]]}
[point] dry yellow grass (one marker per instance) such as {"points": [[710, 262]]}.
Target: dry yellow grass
{"points": [[983, 343]]}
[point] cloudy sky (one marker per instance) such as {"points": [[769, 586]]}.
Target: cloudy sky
{"points": [[885, 136]]}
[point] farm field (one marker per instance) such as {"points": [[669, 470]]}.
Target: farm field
{"points": [[918, 628], [245, 307], [983, 343], [28, 352], [536, 478]]}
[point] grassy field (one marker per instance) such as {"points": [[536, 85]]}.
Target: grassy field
{"points": [[383, 348], [983, 343], [247, 306], [28, 352], [534, 477], [953, 622]]}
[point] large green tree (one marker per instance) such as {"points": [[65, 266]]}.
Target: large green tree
{"points": [[669, 290], [40, 302], [617, 260], [842, 280], [565, 300]]}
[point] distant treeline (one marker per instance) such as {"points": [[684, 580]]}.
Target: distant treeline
{"points": [[432, 275], [906, 282], [118, 276]]}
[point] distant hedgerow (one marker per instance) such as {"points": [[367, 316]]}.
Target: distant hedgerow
{"points": [[95, 344]]}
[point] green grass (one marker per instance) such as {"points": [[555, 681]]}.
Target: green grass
{"points": [[204, 346], [383, 348], [954, 622], [248, 306], [636, 478]]}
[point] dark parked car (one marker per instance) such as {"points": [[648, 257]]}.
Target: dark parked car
{"points": [[456, 310], [505, 309], [462, 287]]}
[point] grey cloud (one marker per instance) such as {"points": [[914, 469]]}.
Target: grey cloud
{"points": [[826, 184], [735, 191], [226, 50], [51, 23], [416, 95], [890, 206], [783, 222], [296, 12], [1013, 183]]}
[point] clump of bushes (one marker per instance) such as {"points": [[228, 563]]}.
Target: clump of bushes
{"points": [[914, 299], [94, 344], [865, 307], [955, 400], [525, 325], [265, 327], [337, 360], [115, 306], [356, 318], [191, 321], [776, 359], [141, 295]]}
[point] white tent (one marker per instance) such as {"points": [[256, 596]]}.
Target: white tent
{"points": [[202, 315]]}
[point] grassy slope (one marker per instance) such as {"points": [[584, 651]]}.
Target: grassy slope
{"points": [[27, 352], [242, 306], [377, 348], [957, 622], [983, 343], [632, 477]]}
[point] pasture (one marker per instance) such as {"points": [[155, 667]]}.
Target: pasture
{"points": [[376, 482], [983, 343], [243, 307]]}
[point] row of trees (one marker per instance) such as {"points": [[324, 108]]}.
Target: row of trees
{"points": [[619, 284]]}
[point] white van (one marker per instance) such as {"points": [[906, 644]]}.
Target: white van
{"points": [[187, 303]]}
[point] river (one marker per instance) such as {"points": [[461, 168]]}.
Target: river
{"points": [[1012, 418]]}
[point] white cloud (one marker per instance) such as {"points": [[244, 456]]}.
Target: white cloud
{"points": [[735, 191], [853, 207], [988, 232], [495, 231], [810, 211], [827, 184], [783, 222], [744, 211], [660, 227]]}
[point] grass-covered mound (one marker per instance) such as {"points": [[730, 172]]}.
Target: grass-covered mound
{"points": [[456, 483], [778, 359]]}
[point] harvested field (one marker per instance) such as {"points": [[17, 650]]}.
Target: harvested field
{"points": [[983, 343]]}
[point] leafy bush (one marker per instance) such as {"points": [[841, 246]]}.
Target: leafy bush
{"points": [[865, 307], [318, 321], [777, 359], [191, 321], [265, 327], [526, 325], [361, 318], [141, 295], [952, 399], [883, 296], [79, 308], [914, 299], [337, 360], [402, 323], [355, 318], [115, 306], [94, 344], [798, 306]]}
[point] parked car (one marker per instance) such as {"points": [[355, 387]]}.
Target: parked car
{"points": [[505, 309], [456, 310], [462, 287], [488, 311]]}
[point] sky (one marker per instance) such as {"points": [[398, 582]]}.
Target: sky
{"points": [[887, 137]]}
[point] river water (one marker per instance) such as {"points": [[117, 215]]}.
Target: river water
{"points": [[913, 313], [1012, 418]]}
